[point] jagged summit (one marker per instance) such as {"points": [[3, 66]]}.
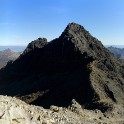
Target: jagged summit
{"points": [[38, 43], [76, 29], [83, 41], [74, 66]]}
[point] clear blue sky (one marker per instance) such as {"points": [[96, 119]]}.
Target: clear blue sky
{"points": [[22, 21]]}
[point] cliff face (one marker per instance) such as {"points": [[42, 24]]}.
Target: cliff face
{"points": [[74, 66]]}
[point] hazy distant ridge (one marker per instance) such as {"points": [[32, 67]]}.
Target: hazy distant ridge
{"points": [[13, 48], [119, 52], [7, 55]]}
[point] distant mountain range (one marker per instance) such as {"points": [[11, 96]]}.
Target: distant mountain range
{"points": [[119, 52], [116, 46], [7, 55], [13, 48]]}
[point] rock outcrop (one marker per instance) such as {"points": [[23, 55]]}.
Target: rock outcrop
{"points": [[14, 111], [74, 66], [39, 43]]}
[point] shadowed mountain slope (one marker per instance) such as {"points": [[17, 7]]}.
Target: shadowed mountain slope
{"points": [[74, 66]]}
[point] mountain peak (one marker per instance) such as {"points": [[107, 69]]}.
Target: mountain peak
{"points": [[38, 43], [74, 28], [83, 40], [7, 51], [74, 66]]}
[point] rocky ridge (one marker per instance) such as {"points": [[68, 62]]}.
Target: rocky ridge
{"points": [[74, 66], [36, 44]]}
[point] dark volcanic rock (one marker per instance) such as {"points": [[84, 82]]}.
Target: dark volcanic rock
{"points": [[74, 66], [39, 43]]}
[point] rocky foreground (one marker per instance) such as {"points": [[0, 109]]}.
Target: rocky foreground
{"points": [[15, 111]]}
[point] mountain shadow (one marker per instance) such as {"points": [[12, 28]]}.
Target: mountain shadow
{"points": [[74, 66]]}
